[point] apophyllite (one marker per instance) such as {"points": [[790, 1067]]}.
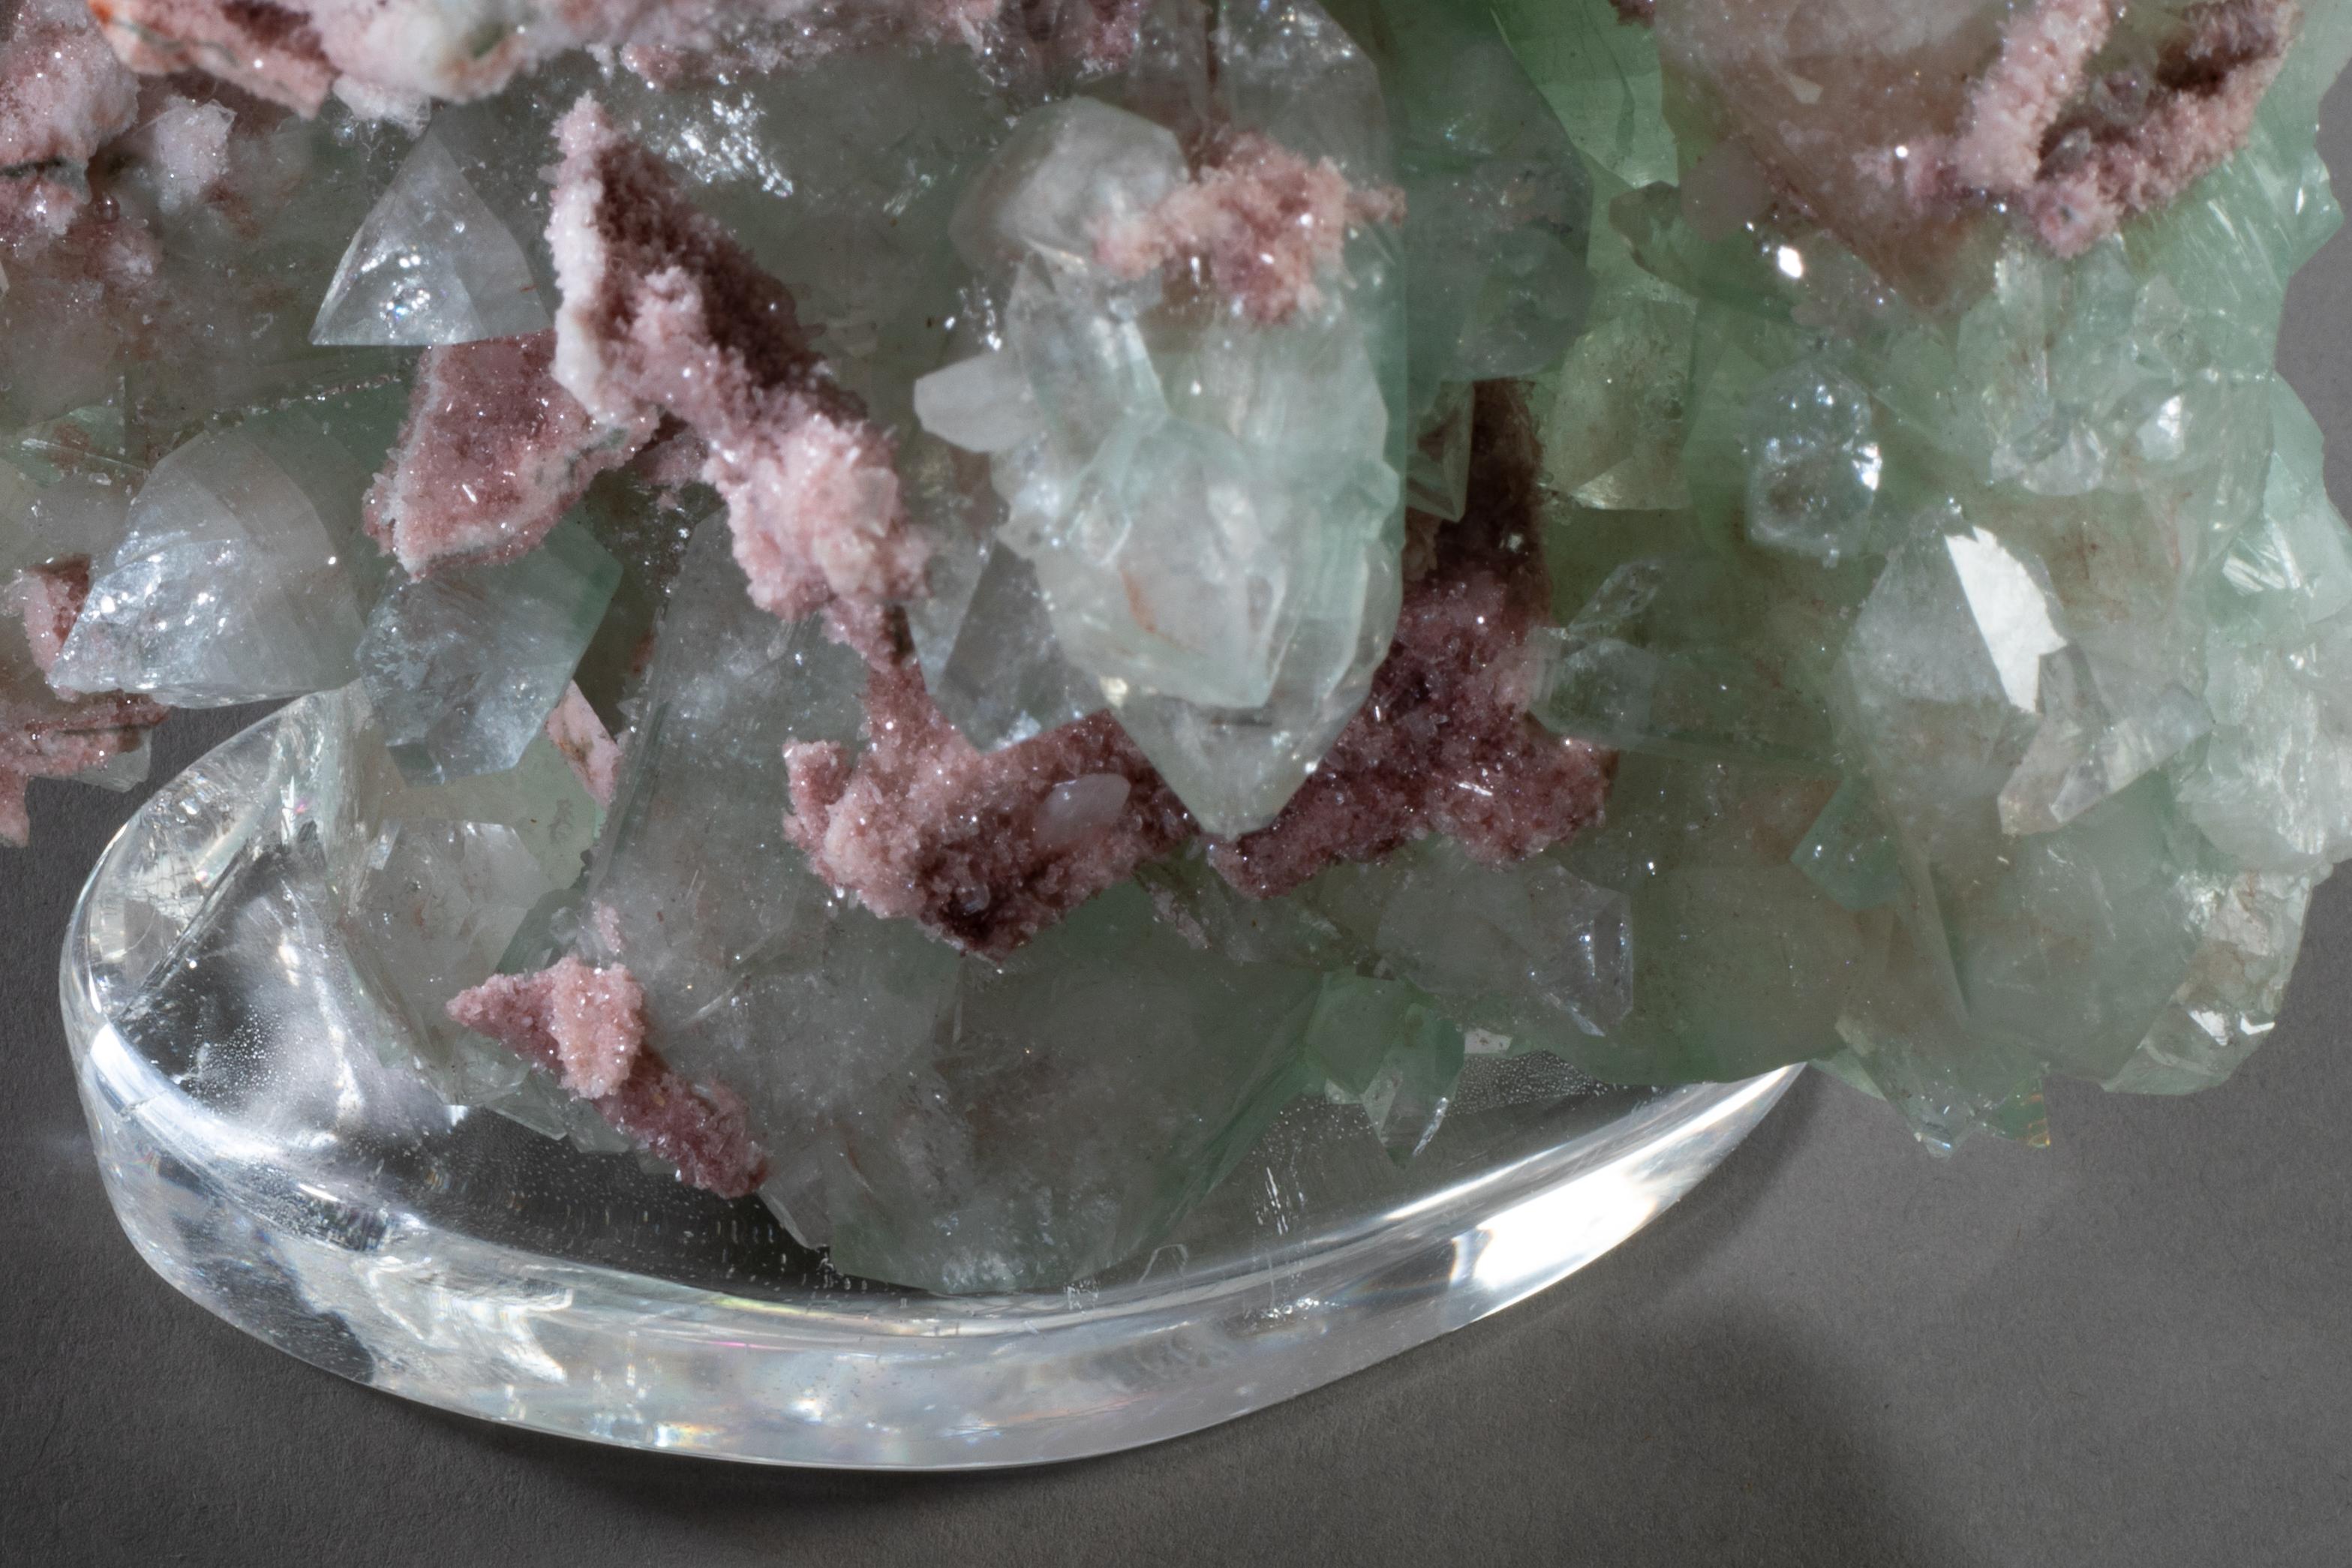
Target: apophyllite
{"points": [[931, 609]]}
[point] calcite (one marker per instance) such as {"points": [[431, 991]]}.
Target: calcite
{"points": [[932, 610]]}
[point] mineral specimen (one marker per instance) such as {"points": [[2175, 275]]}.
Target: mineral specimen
{"points": [[934, 609]]}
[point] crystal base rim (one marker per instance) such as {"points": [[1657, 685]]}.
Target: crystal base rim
{"points": [[338, 1268]]}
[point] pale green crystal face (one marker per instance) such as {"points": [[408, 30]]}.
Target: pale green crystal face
{"points": [[2004, 666], [433, 264], [463, 666], [241, 578], [1122, 1066]]}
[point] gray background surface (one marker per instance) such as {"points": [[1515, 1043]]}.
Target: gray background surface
{"points": [[2134, 1347]]}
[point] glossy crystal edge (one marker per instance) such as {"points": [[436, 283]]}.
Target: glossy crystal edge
{"points": [[345, 1276]]}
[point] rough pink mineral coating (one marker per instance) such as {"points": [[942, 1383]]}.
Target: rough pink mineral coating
{"points": [[271, 50], [63, 95], [47, 599], [985, 848], [2043, 54], [1264, 222], [2208, 84], [587, 1026], [386, 56], [2078, 165], [493, 454], [44, 733], [580, 736], [662, 308], [1444, 744]]}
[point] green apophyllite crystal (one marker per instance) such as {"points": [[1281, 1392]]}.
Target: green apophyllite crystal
{"points": [[1892, 484], [465, 666]]}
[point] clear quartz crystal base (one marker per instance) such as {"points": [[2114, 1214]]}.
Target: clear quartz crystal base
{"points": [[266, 1161]]}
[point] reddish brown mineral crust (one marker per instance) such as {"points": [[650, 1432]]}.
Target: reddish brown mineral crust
{"points": [[46, 734], [661, 306], [586, 745], [1444, 744], [63, 95], [973, 844], [47, 599], [1267, 222], [587, 1026], [2209, 86], [987, 850], [493, 454], [271, 50], [2077, 177]]}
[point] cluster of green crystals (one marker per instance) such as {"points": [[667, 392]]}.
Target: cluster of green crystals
{"points": [[1975, 668], [1975, 653]]}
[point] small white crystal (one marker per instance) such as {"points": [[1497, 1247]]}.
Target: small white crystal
{"points": [[982, 405]]}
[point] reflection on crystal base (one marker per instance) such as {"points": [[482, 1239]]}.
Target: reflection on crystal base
{"points": [[332, 1210]]}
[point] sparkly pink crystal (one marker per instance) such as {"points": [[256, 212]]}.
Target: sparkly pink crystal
{"points": [[493, 454], [63, 95], [1444, 744], [661, 306], [2208, 83], [587, 1026], [2044, 52], [1266, 222], [271, 50], [977, 846], [47, 599]]}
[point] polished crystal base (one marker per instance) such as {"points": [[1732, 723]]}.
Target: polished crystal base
{"points": [[269, 1165]]}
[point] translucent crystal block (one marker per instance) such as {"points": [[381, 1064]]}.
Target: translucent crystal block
{"points": [[868, 1051], [1850, 852], [989, 655], [241, 577], [268, 1162], [433, 264], [1497, 205], [1066, 169], [437, 907], [1803, 84], [1210, 501], [843, 181], [465, 666]]}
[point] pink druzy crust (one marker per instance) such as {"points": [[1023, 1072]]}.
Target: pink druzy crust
{"points": [[586, 1025], [63, 95], [662, 308], [985, 849], [48, 600], [1263, 222], [977, 846], [1444, 742], [493, 454], [2078, 158]]}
